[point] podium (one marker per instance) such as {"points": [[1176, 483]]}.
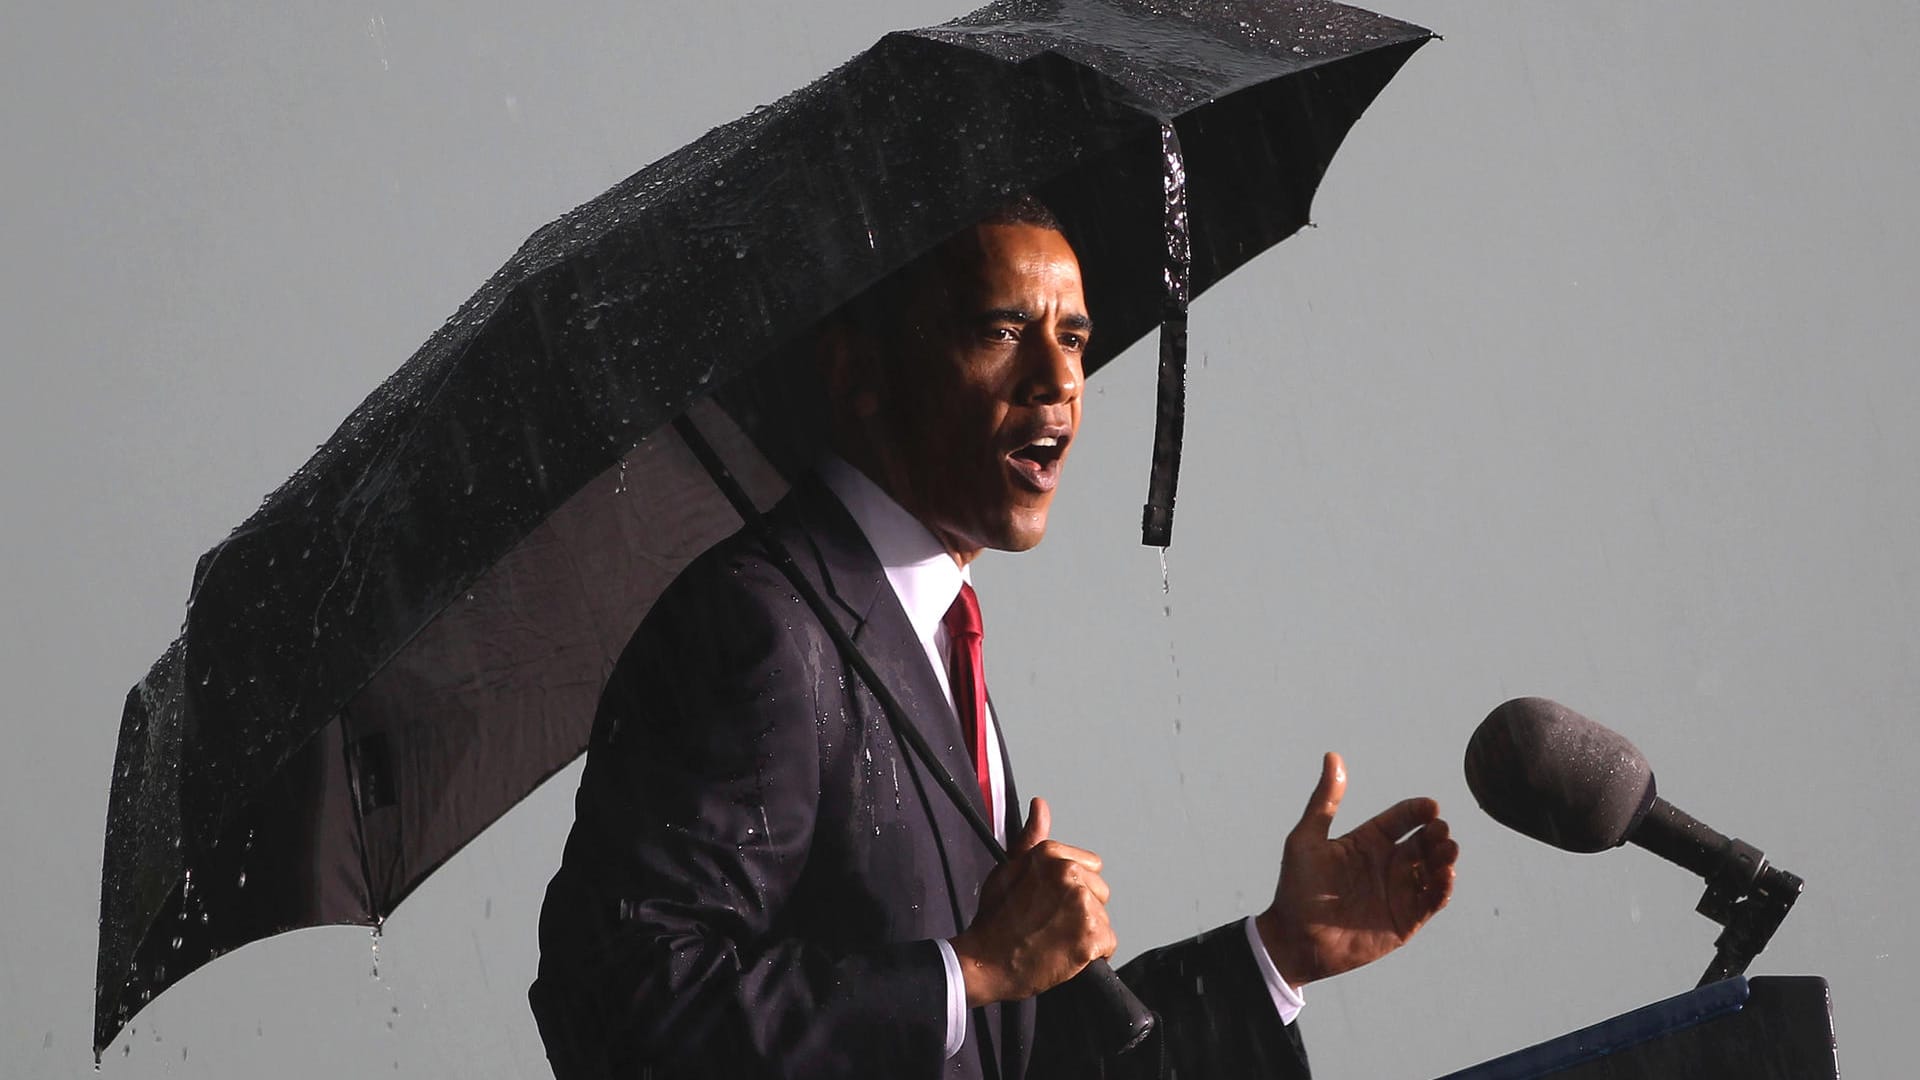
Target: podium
{"points": [[1765, 1028]]}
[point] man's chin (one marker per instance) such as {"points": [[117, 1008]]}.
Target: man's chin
{"points": [[1010, 521], [1021, 530]]}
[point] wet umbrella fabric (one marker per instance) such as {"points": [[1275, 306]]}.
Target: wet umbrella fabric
{"points": [[412, 632]]}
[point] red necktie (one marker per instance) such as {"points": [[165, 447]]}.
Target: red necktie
{"points": [[969, 682]]}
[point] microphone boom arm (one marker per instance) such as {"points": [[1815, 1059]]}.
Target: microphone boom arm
{"points": [[1748, 916], [1745, 895]]}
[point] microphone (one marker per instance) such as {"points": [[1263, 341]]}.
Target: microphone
{"points": [[1542, 769]]}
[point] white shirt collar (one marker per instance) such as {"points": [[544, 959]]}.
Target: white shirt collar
{"points": [[922, 573], [926, 580]]}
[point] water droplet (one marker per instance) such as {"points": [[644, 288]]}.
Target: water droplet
{"points": [[178, 941], [243, 879]]}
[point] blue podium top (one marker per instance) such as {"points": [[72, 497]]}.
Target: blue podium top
{"points": [[1612, 1036]]}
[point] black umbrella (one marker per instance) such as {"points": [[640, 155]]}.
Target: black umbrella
{"points": [[412, 632]]}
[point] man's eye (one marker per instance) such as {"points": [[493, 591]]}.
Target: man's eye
{"points": [[1073, 341], [1002, 333]]}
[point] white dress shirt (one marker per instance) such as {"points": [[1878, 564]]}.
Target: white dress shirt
{"points": [[926, 581]]}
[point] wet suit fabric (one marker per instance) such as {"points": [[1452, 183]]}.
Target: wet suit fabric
{"points": [[757, 871]]}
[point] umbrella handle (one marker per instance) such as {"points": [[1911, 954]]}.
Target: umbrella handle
{"points": [[1119, 1020]]}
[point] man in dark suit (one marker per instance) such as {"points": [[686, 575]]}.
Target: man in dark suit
{"points": [[762, 881]]}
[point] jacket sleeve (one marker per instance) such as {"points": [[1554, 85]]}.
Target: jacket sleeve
{"points": [[664, 936], [1216, 1020]]}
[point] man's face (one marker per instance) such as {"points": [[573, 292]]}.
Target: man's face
{"points": [[983, 392]]}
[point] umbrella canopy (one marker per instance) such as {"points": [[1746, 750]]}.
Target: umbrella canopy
{"points": [[412, 632]]}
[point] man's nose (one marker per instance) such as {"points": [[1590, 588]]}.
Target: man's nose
{"points": [[1052, 375]]}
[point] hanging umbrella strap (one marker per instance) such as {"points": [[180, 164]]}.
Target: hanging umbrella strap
{"points": [[1170, 405], [1124, 1020]]}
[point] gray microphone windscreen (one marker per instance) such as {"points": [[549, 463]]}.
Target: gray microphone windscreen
{"points": [[1540, 768]]}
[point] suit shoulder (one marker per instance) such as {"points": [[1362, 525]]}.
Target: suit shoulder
{"points": [[742, 576], [728, 636]]}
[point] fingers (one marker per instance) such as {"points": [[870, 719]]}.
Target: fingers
{"points": [[1098, 886], [1042, 918], [1082, 917], [1436, 843], [1054, 850], [1433, 854], [1039, 823], [1101, 943], [1440, 852], [1403, 817], [1077, 876], [1325, 802]]}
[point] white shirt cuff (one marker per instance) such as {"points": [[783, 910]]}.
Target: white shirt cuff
{"points": [[957, 998], [1286, 1000]]}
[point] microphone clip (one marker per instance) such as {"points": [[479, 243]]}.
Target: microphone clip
{"points": [[1749, 899]]}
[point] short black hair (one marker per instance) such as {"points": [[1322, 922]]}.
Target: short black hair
{"points": [[1022, 209]]}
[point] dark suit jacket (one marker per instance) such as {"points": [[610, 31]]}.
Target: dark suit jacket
{"points": [[757, 870]]}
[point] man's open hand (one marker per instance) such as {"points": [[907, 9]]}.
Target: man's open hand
{"points": [[1042, 917], [1347, 902]]}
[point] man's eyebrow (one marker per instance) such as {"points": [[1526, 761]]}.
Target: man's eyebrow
{"points": [[1075, 321]]}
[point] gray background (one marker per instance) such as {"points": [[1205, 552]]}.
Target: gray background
{"points": [[1594, 382]]}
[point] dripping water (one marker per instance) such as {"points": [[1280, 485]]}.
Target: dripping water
{"points": [[1179, 696]]}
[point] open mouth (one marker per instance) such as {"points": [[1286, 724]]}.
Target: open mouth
{"points": [[1037, 464]]}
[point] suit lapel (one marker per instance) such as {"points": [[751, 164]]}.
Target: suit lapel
{"points": [[854, 578], [828, 543]]}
